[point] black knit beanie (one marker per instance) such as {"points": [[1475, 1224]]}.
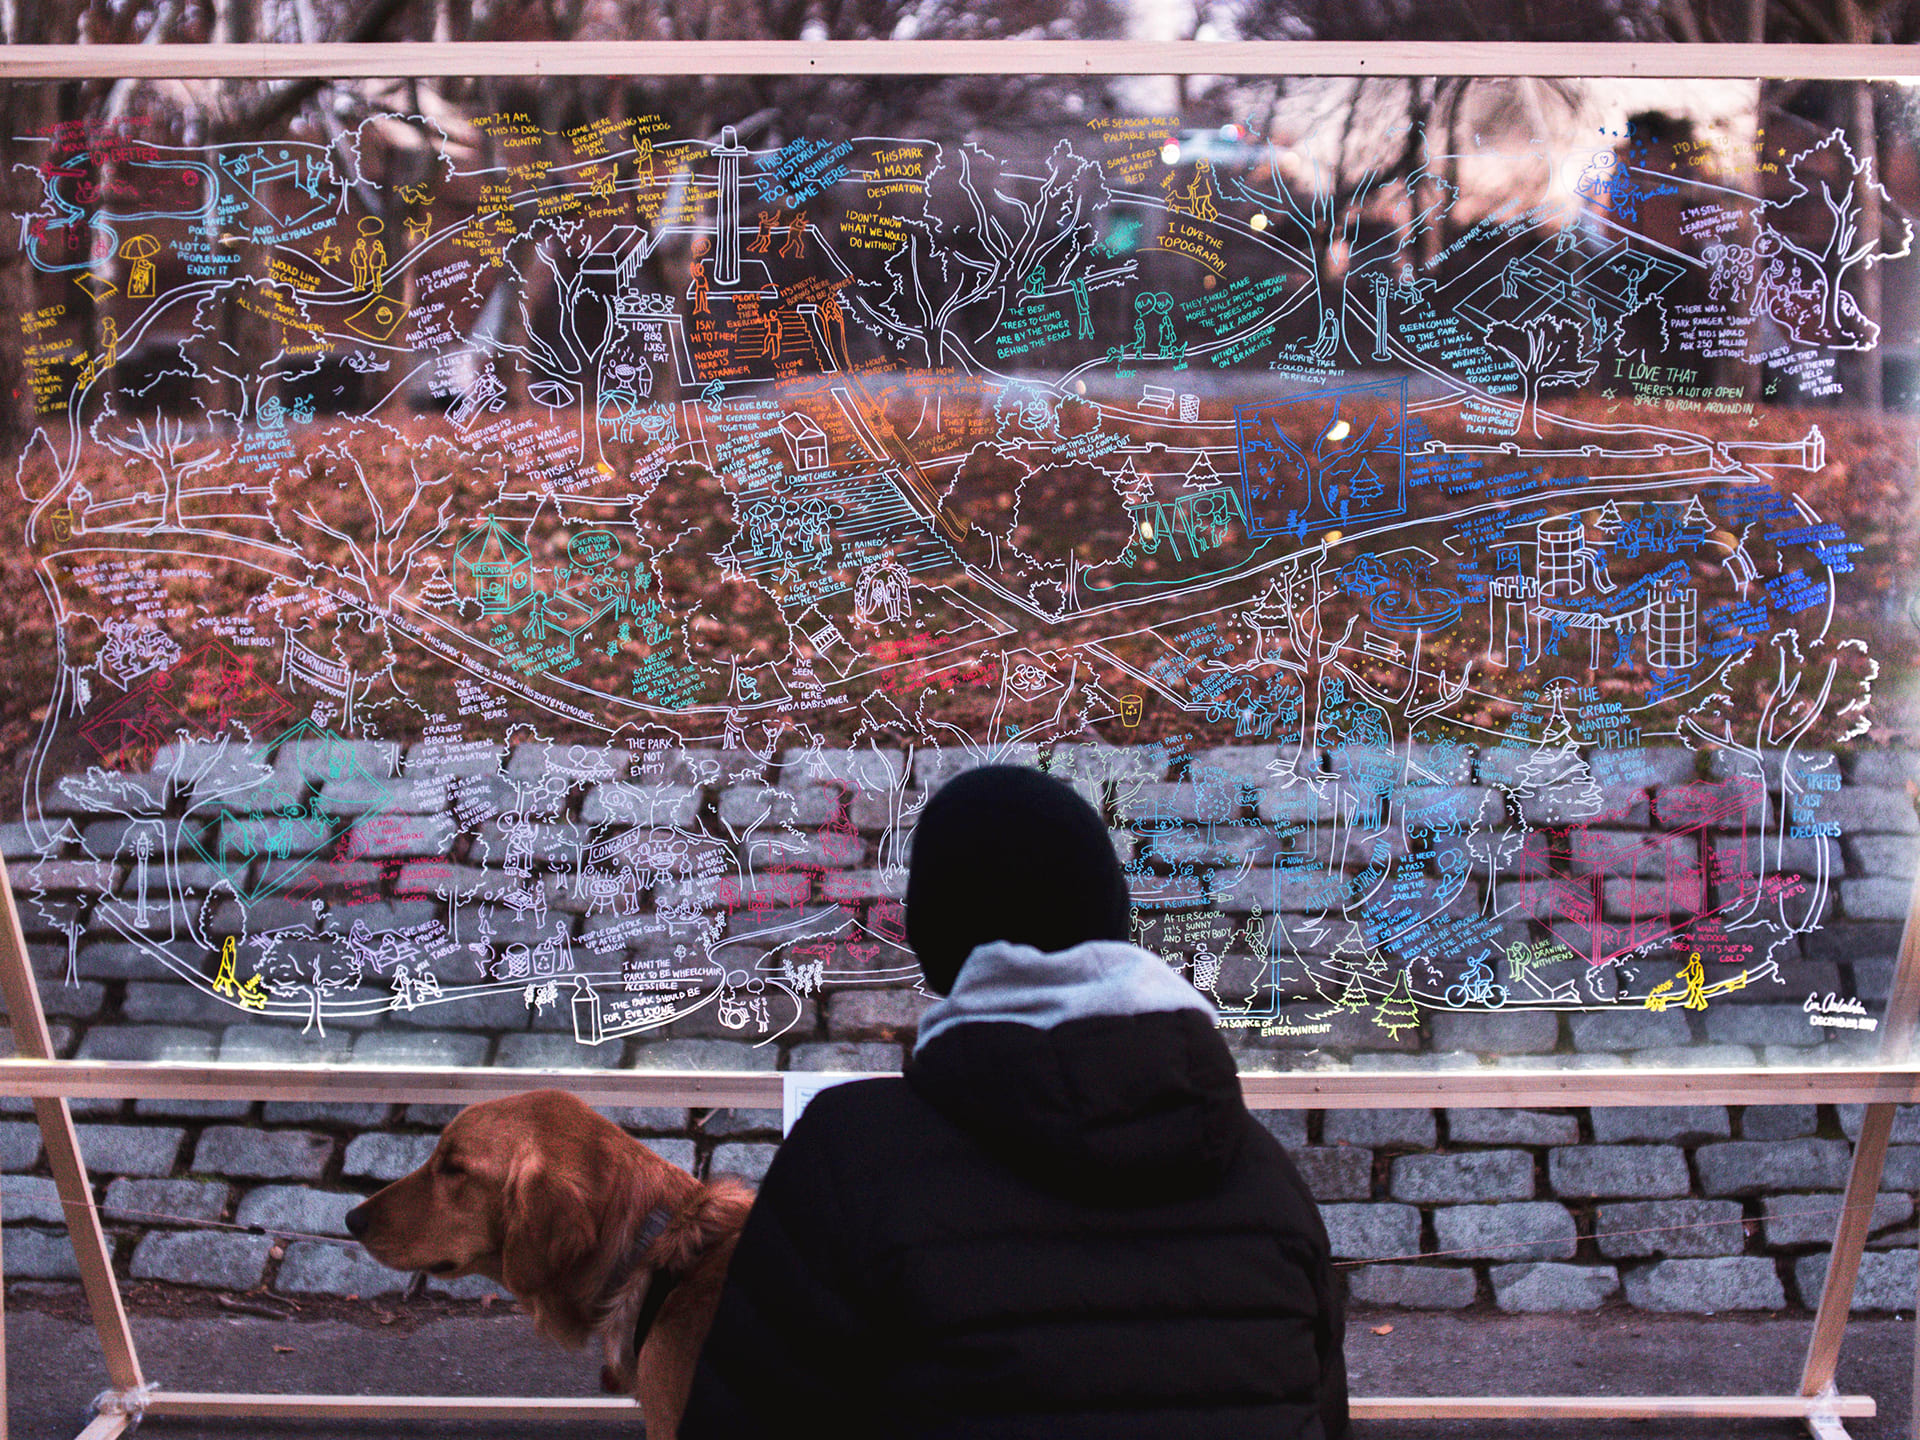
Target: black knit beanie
{"points": [[1006, 853]]}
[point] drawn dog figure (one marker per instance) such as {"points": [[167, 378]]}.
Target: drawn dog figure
{"points": [[589, 1229]]}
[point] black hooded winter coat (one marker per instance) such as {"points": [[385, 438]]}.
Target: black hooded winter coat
{"points": [[1068, 1233]]}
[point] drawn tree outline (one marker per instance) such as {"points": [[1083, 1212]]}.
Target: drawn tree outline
{"points": [[174, 452], [381, 549], [1547, 350], [1329, 218], [1837, 216], [66, 909], [1320, 465], [965, 265]]}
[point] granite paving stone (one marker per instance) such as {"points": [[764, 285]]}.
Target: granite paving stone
{"points": [[1372, 1232], [1887, 1280], [1707, 1286], [1414, 1287], [130, 1149], [1601, 1172], [1530, 1230], [1637, 1228], [262, 1154], [198, 1257], [1465, 1176], [1544, 1286], [315, 1267]]}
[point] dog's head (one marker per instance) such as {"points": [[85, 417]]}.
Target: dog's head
{"points": [[534, 1191]]}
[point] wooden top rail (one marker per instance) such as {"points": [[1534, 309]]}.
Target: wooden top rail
{"points": [[1311, 1090], [958, 57]]}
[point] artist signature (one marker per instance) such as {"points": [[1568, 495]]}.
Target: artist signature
{"points": [[1835, 1013]]}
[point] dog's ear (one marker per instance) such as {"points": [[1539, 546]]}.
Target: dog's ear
{"points": [[548, 1233]]}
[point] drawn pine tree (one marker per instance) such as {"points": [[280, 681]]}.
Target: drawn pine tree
{"points": [[1556, 775], [1397, 1011]]}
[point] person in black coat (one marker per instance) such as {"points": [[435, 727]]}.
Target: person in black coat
{"points": [[1062, 1222]]}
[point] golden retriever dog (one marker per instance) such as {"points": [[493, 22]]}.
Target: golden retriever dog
{"points": [[594, 1233]]}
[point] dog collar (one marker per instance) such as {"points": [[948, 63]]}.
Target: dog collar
{"points": [[652, 1227], [660, 1284]]}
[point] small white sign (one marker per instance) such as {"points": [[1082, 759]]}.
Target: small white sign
{"points": [[799, 1087]]}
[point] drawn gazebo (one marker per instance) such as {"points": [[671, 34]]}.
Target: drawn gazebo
{"points": [[492, 566]]}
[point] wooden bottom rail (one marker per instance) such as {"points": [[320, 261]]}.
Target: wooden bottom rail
{"points": [[219, 1405], [1612, 1407], [209, 1405]]}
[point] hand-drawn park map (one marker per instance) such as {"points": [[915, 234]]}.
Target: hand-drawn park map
{"points": [[491, 565]]}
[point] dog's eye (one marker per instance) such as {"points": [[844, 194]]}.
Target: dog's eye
{"points": [[452, 1168]]}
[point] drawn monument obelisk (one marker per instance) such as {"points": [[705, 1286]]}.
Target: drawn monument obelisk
{"points": [[726, 252]]}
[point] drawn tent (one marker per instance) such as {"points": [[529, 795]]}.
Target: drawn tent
{"points": [[494, 568]]}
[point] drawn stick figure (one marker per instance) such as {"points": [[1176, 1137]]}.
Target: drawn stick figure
{"points": [[796, 242], [762, 241], [369, 255]]}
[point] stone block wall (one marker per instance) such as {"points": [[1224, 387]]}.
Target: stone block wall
{"points": [[1697, 1208], [1691, 1208]]}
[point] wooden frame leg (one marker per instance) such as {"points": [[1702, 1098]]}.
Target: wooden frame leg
{"points": [[3, 1345], [1899, 1024], [91, 1252], [90, 1248], [1849, 1240]]}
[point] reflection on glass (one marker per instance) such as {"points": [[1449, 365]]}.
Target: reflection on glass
{"points": [[490, 578]]}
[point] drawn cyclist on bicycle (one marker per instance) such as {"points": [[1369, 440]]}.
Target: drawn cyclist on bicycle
{"points": [[1477, 986]]}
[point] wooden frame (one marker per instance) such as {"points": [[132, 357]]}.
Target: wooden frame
{"points": [[956, 57], [50, 1082], [1890, 1084]]}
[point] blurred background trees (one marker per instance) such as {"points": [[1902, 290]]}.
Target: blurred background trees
{"points": [[1424, 116], [1801, 111]]}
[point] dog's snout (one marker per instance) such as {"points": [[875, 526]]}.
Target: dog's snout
{"points": [[358, 1219]]}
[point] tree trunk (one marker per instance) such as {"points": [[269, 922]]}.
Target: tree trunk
{"points": [[233, 21], [1866, 148]]}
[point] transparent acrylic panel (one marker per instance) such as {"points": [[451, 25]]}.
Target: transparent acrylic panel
{"points": [[489, 585]]}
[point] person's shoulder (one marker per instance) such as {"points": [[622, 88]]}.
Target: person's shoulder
{"points": [[846, 1106], [855, 1134]]}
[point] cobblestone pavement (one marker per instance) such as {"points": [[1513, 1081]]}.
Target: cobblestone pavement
{"points": [[54, 1368]]}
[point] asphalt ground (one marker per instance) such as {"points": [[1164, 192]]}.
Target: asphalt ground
{"points": [[54, 1369]]}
